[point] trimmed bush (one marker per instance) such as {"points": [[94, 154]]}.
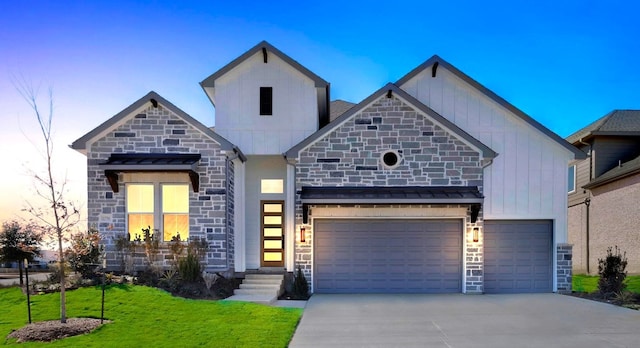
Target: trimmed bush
{"points": [[612, 272], [300, 286]]}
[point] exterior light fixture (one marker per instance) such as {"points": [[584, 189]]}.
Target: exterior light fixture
{"points": [[476, 231], [302, 234]]}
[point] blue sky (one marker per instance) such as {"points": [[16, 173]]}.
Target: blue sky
{"points": [[565, 63]]}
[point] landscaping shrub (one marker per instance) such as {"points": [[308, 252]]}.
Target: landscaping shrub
{"points": [[612, 272], [300, 286], [189, 267], [84, 253]]}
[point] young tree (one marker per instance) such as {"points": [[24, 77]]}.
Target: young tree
{"points": [[18, 243], [58, 216]]}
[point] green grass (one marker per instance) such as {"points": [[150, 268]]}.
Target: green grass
{"points": [[148, 317], [585, 283]]}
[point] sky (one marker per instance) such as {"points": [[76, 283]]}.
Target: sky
{"points": [[564, 63]]}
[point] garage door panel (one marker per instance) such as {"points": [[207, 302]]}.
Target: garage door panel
{"points": [[518, 256], [395, 256]]}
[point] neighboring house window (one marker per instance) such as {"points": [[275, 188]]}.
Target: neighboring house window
{"points": [[152, 205], [266, 100], [271, 186], [572, 179]]}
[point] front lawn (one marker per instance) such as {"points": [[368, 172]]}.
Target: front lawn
{"points": [[147, 317], [586, 283]]}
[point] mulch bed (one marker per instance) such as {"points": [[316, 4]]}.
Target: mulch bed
{"points": [[632, 302], [47, 331]]}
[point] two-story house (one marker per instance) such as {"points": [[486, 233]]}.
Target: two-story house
{"points": [[431, 184], [604, 191]]}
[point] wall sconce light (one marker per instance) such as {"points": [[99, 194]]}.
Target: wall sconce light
{"points": [[476, 231], [302, 234]]}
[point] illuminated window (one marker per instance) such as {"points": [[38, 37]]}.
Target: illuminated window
{"points": [[175, 211], [140, 203], [271, 186], [153, 205]]}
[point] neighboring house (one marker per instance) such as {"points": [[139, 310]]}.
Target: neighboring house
{"points": [[431, 184], [604, 191]]}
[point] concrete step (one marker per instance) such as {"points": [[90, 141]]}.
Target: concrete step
{"points": [[272, 291], [260, 286], [276, 282], [262, 299], [263, 276]]}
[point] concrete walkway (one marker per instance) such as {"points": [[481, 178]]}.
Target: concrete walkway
{"points": [[14, 279], [527, 320]]}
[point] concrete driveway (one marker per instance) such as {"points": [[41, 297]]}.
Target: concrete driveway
{"points": [[526, 320]]}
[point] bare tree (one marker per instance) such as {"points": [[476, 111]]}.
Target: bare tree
{"points": [[59, 216]]}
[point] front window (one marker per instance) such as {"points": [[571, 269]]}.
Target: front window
{"points": [[572, 179], [175, 211], [153, 205], [140, 209]]}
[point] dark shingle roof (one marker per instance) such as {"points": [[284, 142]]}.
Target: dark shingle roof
{"points": [[626, 169], [339, 107], [617, 122]]}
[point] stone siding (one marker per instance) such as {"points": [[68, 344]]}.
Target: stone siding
{"points": [[158, 130], [564, 256], [430, 156]]}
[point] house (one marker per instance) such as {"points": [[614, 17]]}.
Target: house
{"points": [[432, 184], [604, 191]]}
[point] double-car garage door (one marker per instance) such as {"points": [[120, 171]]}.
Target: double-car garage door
{"points": [[387, 256], [425, 256]]}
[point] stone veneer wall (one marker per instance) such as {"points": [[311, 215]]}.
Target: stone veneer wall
{"points": [[564, 267], [350, 156], [158, 130]]}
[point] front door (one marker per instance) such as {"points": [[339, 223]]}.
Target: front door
{"points": [[272, 227]]}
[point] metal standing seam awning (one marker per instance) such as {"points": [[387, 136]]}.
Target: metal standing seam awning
{"points": [[151, 162], [310, 195]]}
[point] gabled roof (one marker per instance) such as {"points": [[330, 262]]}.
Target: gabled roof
{"points": [[626, 169], [140, 104], [339, 107], [617, 122], [390, 87], [210, 81], [491, 95]]}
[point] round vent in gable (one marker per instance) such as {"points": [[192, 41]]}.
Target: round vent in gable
{"points": [[390, 159]]}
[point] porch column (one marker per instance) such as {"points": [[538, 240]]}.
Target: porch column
{"points": [[239, 216], [290, 215]]}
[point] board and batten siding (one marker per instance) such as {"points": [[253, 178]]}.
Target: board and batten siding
{"points": [[237, 98], [528, 178]]}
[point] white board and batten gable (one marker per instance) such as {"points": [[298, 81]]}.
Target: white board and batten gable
{"points": [[299, 101], [528, 178]]}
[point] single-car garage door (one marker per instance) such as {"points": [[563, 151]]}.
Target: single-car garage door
{"points": [[517, 256], [387, 256]]}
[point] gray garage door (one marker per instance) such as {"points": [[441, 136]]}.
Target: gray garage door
{"points": [[517, 256], [387, 256]]}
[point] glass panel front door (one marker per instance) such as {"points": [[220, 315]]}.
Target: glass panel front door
{"points": [[272, 232]]}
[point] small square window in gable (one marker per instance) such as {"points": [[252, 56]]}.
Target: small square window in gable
{"points": [[266, 101]]}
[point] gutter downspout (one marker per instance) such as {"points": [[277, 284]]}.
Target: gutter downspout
{"points": [[587, 201]]}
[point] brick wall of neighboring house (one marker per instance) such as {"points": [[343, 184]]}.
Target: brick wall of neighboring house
{"points": [[158, 130], [615, 221], [350, 156], [577, 217]]}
